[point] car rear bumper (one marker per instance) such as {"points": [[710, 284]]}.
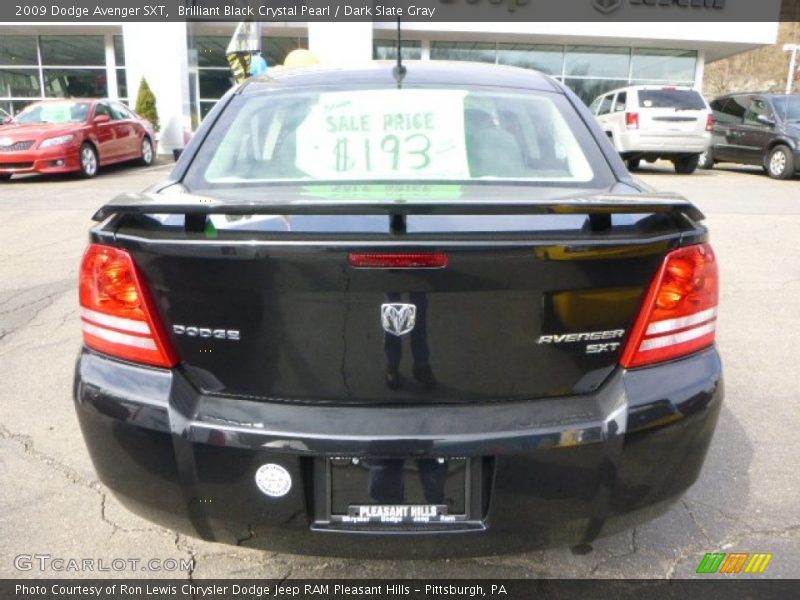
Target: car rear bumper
{"points": [[664, 143], [59, 159], [552, 472]]}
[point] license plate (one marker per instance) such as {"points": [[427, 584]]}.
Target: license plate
{"points": [[395, 491], [398, 513]]}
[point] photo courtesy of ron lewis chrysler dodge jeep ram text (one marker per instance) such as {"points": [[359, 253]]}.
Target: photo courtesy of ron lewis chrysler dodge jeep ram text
{"points": [[399, 313]]}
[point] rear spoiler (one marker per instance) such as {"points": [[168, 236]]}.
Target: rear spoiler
{"points": [[188, 204]]}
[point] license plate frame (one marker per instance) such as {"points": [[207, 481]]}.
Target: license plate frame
{"points": [[402, 515]]}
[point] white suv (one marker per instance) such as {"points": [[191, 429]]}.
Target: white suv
{"points": [[653, 122]]}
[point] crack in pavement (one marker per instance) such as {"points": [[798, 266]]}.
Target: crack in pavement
{"points": [[30, 303], [634, 548], [73, 477], [695, 522], [181, 546], [38, 306]]}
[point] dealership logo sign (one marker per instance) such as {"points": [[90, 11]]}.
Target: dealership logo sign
{"points": [[609, 6], [606, 6]]}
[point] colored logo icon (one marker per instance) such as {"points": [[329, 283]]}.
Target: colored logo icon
{"points": [[734, 564]]}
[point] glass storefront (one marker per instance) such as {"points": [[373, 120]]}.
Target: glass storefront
{"points": [[588, 70], [214, 76], [43, 66], [74, 83], [73, 50], [663, 65], [53, 66], [547, 59], [387, 49], [471, 51], [119, 59]]}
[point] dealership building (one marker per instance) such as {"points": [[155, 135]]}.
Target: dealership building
{"points": [[185, 63]]}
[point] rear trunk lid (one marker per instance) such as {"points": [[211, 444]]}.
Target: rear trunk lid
{"points": [[262, 300]]}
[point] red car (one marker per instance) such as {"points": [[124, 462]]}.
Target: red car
{"points": [[64, 136]]}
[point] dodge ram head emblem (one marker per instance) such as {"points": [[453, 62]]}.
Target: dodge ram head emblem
{"points": [[398, 319], [606, 6]]}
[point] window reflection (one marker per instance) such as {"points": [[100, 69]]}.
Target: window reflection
{"points": [[597, 61], [590, 70], [664, 65], [214, 84], [589, 89], [387, 50], [75, 83], [472, 51], [19, 83], [547, 59], [119, 51], [18, 50], [73, 50], [122, 84]]}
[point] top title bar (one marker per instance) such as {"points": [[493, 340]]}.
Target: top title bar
{"points": [[31, 11]]}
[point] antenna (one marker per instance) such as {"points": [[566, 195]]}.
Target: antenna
{"points": [[399, 70]]}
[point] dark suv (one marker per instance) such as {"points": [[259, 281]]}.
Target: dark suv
{"points": [[757, 129]]}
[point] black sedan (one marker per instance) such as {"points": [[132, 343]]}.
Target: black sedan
{"points": [[399, 313]]}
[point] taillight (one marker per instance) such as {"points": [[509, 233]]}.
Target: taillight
{"points": [[117, 313], [632, 120], [679, 314], [398, 261], [710, 122]]}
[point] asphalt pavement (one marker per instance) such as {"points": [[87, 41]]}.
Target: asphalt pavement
{"points": [[747, 498]]}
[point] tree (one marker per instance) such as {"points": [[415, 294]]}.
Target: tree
{"points": [[146, 104]]}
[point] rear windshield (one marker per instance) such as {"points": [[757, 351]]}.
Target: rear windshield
{"points": [[677, 99], [408, 135]]}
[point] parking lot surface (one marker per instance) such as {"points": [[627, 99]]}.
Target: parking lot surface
{"points": [[747, 499]]}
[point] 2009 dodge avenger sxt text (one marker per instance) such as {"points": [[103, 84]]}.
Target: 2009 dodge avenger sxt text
{"points": [[399, 314]]}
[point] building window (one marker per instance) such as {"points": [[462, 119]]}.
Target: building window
{"points": [[589, 71], [19, 83], [73, 50], [119, 51], [387, 50], [214, 76], [597, 61], [211, 51], [33, 67], [671, 66], [274, 49], [122, 85], [19, 72], [472, 51], [75, 83], [214, 83], [547, 59], [18, 50], [119, 63], [588, 89]]}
